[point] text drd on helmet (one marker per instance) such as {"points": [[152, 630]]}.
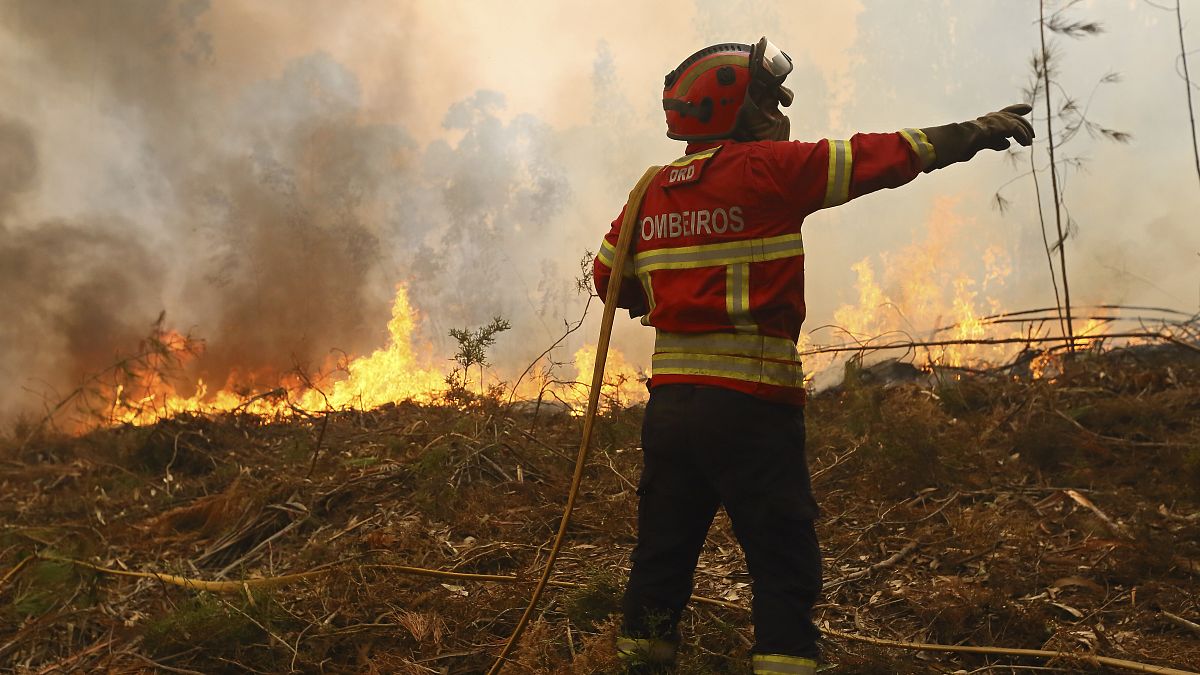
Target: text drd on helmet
{"points": [[729, 90]]}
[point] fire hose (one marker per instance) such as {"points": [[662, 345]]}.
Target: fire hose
{"points": [[244, 586], [628, 225]]}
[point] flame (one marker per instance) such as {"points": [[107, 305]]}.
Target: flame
{"points": [[387, 375], [1049, 365], [623, 383], [928, 293], [925, 287], [146, 391], [924, 292]]}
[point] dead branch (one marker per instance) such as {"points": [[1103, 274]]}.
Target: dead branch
{"points": [[570, 328], [1146, 335], [882, 564], [1086, 503], [240, 586], [1180, 621], [1055, 192]]}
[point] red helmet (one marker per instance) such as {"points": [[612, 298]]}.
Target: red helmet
{"points": [[704, 96]]}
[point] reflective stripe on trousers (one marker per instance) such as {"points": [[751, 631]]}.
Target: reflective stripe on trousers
{"points": [[646, 650], [781, 664]]}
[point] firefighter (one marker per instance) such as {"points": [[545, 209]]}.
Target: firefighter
{"points": [[717, 269]]}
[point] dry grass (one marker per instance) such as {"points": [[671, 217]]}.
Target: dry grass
{"points": [[973, 469]]}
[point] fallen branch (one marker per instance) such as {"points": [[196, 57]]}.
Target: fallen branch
{"points": [[1181, 622], [236, 586], [1135, 666], [1162, 510], [1186, 345], [1087, 504], [13, 572], [883, 564], [984, 341], [66, 665], [239, 586]]}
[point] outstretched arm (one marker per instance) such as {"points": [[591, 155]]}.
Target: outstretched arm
{"points": [[830, 173], [959, 142]]}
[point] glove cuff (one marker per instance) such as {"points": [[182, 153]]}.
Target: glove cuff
{"points": [[953, 143]]}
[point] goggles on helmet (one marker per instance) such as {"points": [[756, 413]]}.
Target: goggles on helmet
{"points": [[769, 65], [706, 95]]}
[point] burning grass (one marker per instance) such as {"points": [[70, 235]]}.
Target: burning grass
{"points": [[958, 508]]}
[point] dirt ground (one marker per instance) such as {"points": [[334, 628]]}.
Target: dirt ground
{"points": [[960, 508]]}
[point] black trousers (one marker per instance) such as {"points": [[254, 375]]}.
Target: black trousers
{"points": [[705, 447]]}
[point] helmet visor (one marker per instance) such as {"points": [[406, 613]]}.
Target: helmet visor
{"points": [[773, 62]]}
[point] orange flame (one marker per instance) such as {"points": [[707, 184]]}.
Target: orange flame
{"points": [[925, 286], [392, 373], [623, 383]]}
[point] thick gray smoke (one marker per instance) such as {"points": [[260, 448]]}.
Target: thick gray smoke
{"points": [[271, 219], [70, 292]]}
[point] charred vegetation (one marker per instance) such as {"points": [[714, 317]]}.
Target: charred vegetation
{"points": [[980, 508]]}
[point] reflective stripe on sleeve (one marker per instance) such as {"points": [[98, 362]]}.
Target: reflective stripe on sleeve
{"points": [[606, 253], [737, 298], [837, 186], [727, 344], [716, 255], [920, 145], [746, 369], [779, 664]]}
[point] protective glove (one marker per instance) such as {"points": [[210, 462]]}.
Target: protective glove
{"points": [[959, 142]]}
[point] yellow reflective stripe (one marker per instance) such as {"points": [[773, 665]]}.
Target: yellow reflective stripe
{"points": [[742, 368], [737, 297], [837, 185], [606, 253], [703, 154], [728, 344], [920, 145], [710, 63], [648, 287], [780, 664], [716, 255], [652, 650]]}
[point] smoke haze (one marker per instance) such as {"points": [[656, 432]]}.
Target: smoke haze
{"points": [[266, 173]]}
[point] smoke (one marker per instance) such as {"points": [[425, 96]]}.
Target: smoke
{"points": [[266, 173], [71, 293], [273, 219], [18, 163]]}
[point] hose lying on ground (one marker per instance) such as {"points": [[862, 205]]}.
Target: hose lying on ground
{"points": [[242, 585], [628, 225]]}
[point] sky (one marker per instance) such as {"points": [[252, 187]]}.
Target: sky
{"points": [[266, 172]]}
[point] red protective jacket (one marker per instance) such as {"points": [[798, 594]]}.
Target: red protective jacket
{"points": [[718, 259]]}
